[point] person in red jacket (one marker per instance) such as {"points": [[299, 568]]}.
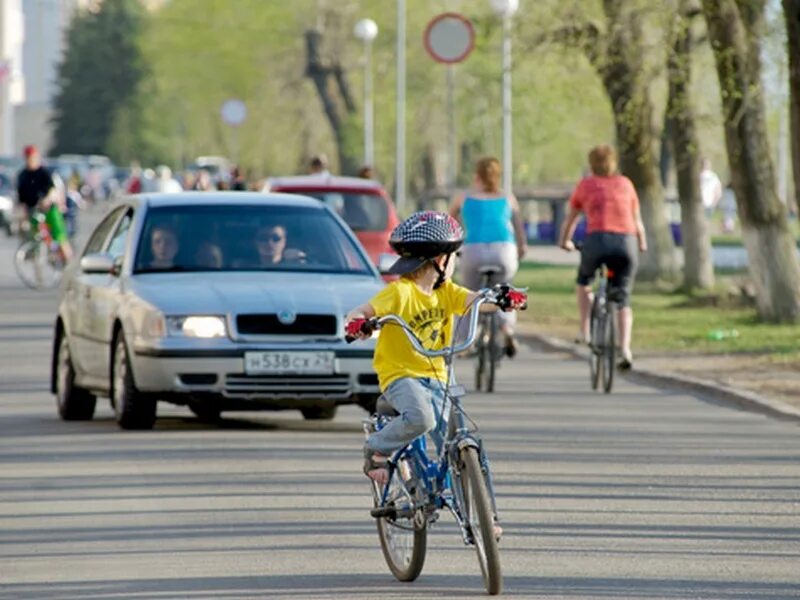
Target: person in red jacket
{"points": [[614, 231]]}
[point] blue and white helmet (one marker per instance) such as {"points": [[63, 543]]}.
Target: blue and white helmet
{"points": [[422, 236]]}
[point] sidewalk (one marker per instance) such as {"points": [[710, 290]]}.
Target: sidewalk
{"points": [[753, 379], [745, 380]]}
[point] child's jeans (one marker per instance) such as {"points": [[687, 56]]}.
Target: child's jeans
{"points": [[419, 402]]}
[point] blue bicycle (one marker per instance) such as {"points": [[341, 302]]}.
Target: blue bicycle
{"points": [[453, 473]]}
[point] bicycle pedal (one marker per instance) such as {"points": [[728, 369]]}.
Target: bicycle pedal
{"points": [[383, 512]]}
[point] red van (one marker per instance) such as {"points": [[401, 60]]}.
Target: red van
{"points": [[363, 204]]}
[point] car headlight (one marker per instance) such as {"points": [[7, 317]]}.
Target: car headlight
{"points": [[197, 326]]}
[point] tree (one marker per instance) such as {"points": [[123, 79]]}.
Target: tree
{"points": [[698, 268], [617, 52], [791, 12], [101, 70], [734, 28], [339, 108]]}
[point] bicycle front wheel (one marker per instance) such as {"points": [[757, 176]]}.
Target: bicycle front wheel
{"points": [[35, 267], [403, 535], [479, 518], [609, 350]]}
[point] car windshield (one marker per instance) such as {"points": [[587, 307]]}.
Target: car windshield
{"points": [[362, 212], [231, 237]]}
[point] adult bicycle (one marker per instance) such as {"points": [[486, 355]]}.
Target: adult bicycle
{"points": [[603, 327], [488, 349], [38, 260], [453, 473]]}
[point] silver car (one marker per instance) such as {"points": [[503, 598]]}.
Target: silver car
{"points": [[219, 301]]}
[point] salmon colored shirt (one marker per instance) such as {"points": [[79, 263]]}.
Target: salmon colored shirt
{"points": [[609, 203]]}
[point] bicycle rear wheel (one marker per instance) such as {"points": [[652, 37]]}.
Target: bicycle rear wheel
{"points": [[595, 345], [480, 356], [492, 351], [609, 349], [479, 517], [403, 536], [36, 267]]}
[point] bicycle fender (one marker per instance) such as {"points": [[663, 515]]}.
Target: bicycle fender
{"points": [[468, 441]]}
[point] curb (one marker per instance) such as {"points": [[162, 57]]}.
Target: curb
{"points": [[741, 398]]}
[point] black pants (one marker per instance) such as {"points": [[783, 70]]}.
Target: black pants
{"points": [[619, 252]]}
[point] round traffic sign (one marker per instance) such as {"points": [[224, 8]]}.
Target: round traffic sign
{"points": [[233, 112], [449, 38]]}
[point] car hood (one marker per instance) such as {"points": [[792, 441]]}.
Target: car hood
{"points": [[241, 293]]}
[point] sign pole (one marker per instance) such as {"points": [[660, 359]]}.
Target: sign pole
{"points": [[451, 129], [449, 38]]}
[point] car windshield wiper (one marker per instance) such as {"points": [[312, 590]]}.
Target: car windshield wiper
{"points": [[172, 269]]}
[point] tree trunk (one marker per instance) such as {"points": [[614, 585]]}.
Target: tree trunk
{"points": [[791, 11], [734, 28], [623, 73], [698, 267], [324, 78]]}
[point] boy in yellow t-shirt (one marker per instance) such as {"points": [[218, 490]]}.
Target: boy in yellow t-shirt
{"points": [[426, 299]]}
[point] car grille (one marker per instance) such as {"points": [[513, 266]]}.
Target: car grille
{"points": [[282, 386], [269, 324]]}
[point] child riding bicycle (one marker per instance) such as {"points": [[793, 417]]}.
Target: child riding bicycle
{"points": [[426, 298]]}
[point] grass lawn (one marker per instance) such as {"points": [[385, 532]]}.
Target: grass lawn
{"points": [[665, 321]]}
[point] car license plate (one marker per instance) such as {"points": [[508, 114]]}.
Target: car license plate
{"points": [[288, 362]]}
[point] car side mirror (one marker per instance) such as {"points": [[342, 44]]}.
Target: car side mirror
{"points": [[99, 263], [385, 262]]}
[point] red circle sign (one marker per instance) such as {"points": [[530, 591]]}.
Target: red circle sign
{"points": [[449, 38]]}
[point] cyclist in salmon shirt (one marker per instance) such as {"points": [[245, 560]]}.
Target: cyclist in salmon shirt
{"points": [[614, 231]]}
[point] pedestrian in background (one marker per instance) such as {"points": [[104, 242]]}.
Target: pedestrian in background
{"points": [[319, 166], [710, 187]]}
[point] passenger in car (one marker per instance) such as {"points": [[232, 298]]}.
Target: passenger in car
{"points": [[164, 247], [209, 256]]}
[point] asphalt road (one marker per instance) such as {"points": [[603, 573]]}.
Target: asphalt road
{"points": [[645, 493]]}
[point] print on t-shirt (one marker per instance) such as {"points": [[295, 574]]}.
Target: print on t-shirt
{"points": [[427, 325]]}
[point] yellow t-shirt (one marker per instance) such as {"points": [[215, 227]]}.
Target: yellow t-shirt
{"points": [[430, 318]]}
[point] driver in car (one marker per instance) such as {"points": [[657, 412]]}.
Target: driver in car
{"points": [[164, 247]]}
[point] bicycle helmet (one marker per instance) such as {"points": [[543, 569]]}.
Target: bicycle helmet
{"points": [[422, 237]]}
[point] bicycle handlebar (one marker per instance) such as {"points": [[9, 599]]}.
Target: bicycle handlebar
{"points": [[491, 295]]}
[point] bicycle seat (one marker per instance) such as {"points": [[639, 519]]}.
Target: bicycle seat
{"points": [[490, 269], [382, 407]]}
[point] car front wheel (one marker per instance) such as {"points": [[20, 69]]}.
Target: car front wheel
{"points": [[132, 409], [74, 403]]}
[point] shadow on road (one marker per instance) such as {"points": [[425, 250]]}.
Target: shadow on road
{"points": [[369, 585]]}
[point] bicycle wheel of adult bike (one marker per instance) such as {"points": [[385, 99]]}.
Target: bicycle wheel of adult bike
{"points": [[595, 346], [479, 516], [609, 349], [403, 536], [480, 358], [36, 267], [492, 351]]}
